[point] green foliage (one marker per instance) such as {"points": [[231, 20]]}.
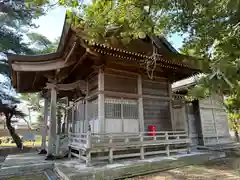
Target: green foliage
{"points": [[234, 121], [212, 27], [41, 44], [4, 67], [39, 40], [15, 18], [34, 102], [213, 35], [33, 99]]}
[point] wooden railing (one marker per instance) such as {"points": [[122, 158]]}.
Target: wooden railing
{"points": [[79, 140], [108, 143]]}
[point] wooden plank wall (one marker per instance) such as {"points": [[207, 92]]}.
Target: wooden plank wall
{"points": [[156, 104], [179, 119], [79, 117], [116, 81], [214, 121]]}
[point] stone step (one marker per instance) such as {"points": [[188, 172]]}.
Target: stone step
{"points": [[25, 169]]}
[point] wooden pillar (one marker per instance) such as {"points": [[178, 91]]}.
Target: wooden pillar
{"points": [[53, 124], [101, 101], [44, 135], [170, 103], [140, 104], [66, 118], [73, 118], [86, 122], [44, 128]]}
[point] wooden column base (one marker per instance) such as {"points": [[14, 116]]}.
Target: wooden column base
{"points": [[50, 157], [42, 151]]}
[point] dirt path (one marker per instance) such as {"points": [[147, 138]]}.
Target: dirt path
{"points": [[224, 169]]}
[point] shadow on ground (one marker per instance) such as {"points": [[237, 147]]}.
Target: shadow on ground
{"points": [[28, 177], [221, 169]]}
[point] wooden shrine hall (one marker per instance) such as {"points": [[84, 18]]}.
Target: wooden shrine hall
{"points": [[114, 109]]}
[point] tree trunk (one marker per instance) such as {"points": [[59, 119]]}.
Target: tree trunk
{"points": [[12, 132], [236, 135], [235, 128]]}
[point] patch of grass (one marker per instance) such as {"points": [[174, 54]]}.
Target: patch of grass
{"points": [[26, 144]]}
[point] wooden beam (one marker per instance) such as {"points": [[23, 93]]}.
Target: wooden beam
{"points": [[70, 52], [35, 79], [80, 84], [79, 62]]}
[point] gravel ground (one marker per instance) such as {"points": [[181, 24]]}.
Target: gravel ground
{"points": [[224, 169]]}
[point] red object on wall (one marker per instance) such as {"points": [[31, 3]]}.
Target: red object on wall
{"points": [[152, 130]]}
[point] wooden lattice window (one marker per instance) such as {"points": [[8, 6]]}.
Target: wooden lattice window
{"points": [[119, 108]]}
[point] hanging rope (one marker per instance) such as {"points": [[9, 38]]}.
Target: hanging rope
{"points": [[152, 62]]}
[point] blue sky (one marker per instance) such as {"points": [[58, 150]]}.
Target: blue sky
{"points": [[51, 26]]}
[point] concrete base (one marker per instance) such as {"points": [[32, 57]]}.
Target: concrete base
{"points": [[74, 170], [31, 163]]}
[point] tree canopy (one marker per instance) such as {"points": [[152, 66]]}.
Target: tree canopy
{"points": [[212, 29]]}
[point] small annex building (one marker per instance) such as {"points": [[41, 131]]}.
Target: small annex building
{"points": [[205, 119]]}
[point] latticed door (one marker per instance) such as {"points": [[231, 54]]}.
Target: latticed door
{"points": [[121, 115]]}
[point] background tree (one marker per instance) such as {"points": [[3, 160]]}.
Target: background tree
{"points": [[41, 44], [34, 104], [9, 110], [232, 105], [8, 102], [16, 18]]}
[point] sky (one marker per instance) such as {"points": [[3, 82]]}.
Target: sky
{"points": [[51, 26]]}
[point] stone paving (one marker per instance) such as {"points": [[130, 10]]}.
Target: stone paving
{"points": [[220, 169], [22, 164], [2, 158]]}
